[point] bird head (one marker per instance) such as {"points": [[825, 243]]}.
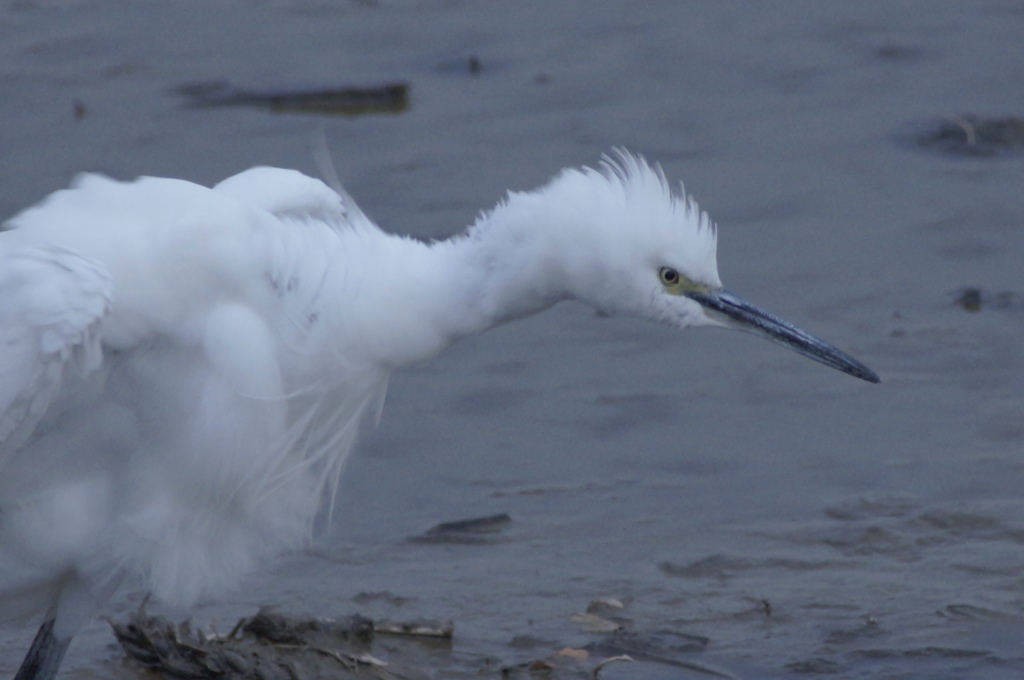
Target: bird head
{"points": [[635, 246]]}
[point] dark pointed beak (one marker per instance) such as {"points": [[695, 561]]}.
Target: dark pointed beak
{"points": [[744, 316]]}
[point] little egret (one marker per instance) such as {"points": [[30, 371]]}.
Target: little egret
{"points": [[183, 369]]}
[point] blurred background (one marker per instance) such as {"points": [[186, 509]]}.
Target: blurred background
{"points": [[864, 164]]}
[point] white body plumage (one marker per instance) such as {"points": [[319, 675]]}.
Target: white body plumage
{"points": [[183, 370]]}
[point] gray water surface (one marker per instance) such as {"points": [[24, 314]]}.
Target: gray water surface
{"points": [[697, 476]]}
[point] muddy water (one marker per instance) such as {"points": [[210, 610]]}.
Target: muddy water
{"points": [[802, 521]]}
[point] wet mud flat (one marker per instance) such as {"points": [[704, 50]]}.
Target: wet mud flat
{"points": [[854, 631], [275, 644]]}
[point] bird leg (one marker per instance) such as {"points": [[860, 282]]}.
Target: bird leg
{"points": [[44, 656]]}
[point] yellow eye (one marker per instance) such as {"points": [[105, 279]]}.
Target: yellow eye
{"points": [[669, 276]]}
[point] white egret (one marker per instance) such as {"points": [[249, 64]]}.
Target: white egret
{"points": [[183, 369]]}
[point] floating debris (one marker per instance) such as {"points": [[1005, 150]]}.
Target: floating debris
{"points": [[268, 646], [431, 628], [346, 101], [275, 628], [568, 662], [606, 605], [664, 647], [380, 596], [974, 135], [605, 662], [466, 531], [975, 299], [603, 615], [275, 646], [972, 612], [592, 623]]}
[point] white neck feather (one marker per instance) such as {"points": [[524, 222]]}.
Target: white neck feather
{"points": [[439, 292]]}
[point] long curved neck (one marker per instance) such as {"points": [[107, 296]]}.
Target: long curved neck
{"points": [[514, 268], [421, 297]]}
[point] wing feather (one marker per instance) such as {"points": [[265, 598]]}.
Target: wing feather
{"points": [[52, 302], [291, 194]]}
